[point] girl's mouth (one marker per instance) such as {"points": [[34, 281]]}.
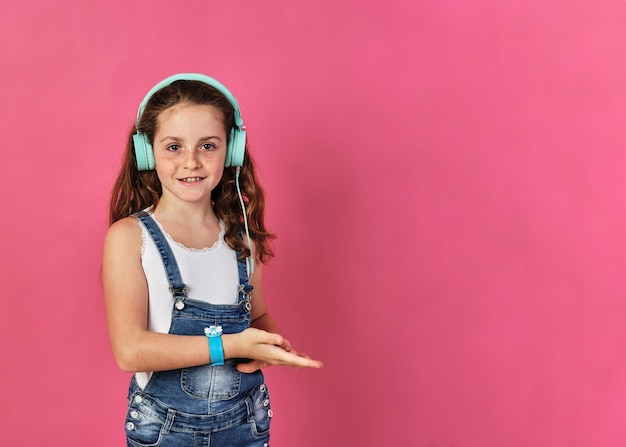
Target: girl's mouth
{"points": [[191, 179]]}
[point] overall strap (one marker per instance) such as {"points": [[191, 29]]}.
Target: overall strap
{"points": [[177, 286], [245, 289]]}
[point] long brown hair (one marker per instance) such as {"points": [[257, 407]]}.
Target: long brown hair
{"points": [[136, 190]]}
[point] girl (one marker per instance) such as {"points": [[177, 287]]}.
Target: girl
{"points": [[182, 274]]}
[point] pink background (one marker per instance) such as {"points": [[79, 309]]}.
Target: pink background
{"points": [[445, 177]]}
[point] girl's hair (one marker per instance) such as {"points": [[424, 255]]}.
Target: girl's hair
{"points": [[136, 190]]}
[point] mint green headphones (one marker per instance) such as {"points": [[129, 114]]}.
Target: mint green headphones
{"points": [[144, 153]]}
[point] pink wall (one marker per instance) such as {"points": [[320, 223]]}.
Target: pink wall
{"points": [[446, 179]]}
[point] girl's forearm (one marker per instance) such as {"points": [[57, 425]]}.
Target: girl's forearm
{"points": [[266, 322]]}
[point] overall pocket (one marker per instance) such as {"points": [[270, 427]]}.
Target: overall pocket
{"points": [[216, 383], [259, 411], [143, 426]]}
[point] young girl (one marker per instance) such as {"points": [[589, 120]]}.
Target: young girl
{"points": [[182, 274]]}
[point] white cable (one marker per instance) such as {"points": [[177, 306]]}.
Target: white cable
{"points": [[250, 259]]}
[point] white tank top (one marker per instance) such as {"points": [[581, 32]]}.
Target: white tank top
{"points": [[210, 274]]}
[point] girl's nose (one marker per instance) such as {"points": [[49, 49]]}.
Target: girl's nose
{"points": [[192, 160]]}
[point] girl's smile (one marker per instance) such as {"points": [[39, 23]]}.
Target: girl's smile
{"points": [[192, 179]]}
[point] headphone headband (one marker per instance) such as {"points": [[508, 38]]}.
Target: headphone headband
{"points": [[193, 77], [236, 146]]}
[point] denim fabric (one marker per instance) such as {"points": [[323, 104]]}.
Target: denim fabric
{"points": [[208, 406]]}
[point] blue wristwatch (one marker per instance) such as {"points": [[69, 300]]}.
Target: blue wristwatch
{"points": [[216, 349]]}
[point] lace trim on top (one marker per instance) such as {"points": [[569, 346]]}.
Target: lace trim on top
{"points": [[217, 243]]}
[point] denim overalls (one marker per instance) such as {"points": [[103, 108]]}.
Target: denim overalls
{"points": [[206, 405]]}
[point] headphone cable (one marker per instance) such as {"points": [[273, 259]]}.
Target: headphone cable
{"points": [[250, 259]]}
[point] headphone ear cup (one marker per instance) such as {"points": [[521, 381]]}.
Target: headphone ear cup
{"points": [[143, 152], [236, 148]]}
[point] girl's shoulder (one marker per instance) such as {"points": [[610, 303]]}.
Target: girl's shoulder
{"points": [[127, 224], [125, 235]]}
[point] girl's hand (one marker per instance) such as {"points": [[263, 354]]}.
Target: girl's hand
{"points": [[267, 349]]}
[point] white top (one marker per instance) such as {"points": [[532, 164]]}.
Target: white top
{"points": [[210, 274]]}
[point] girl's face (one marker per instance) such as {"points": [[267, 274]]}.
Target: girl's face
{"points": [[189, 151]]}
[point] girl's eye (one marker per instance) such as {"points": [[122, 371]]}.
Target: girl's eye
{"points": [[173, 147], [208, 146]]}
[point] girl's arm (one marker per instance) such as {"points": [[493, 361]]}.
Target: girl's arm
{"points": [[261, 319], [135, 348]]}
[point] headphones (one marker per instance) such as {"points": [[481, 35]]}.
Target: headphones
{"points": [[144, 153]]}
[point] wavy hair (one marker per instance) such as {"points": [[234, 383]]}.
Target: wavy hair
{"points": [[136, 190]]}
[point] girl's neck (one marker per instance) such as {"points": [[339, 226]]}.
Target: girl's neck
{"points": [[190, 213], [192, 225]]}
